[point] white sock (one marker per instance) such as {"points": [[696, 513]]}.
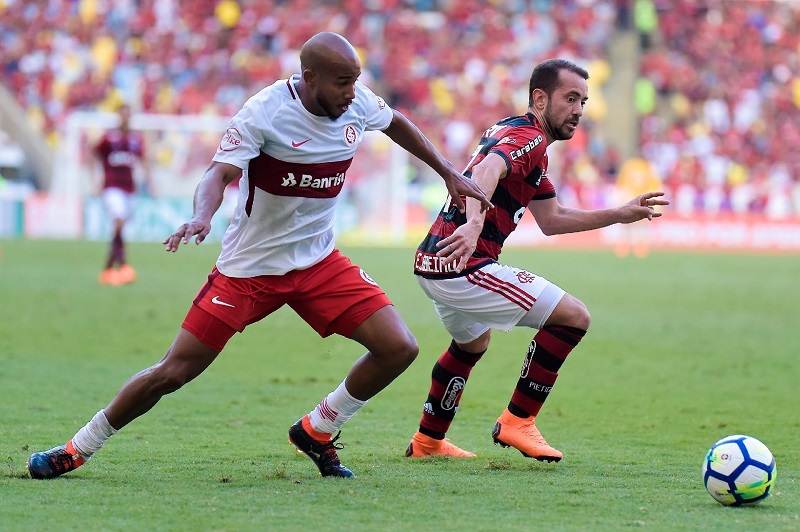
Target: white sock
{"points": [[93, 435], [334, 410]]}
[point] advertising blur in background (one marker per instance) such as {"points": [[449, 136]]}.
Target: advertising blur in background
{"points": [[699, 99]]}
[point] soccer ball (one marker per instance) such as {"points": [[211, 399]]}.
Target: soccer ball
{"points": [[739, 470]]}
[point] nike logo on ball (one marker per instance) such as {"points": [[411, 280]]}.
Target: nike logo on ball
{"points": [[296, 144], [216, 301]]}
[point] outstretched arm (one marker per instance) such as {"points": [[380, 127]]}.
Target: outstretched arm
{"points": [[408, 136], [555, 219], [207, 199]]}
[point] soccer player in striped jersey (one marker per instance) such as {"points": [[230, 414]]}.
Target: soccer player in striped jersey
{"points": [[291, 144], [457, 266], [119, 151]]}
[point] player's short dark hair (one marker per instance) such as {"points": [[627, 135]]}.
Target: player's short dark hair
{"points": [[545, 76]]}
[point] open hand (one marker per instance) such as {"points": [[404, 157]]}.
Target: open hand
{"points": [[185, 232], [458, 185], [643, 206]]}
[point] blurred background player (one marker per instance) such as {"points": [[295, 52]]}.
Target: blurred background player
{"points": [[457, 266], [120, 151]]}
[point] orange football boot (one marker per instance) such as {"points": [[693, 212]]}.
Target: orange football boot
{"points": [[422, 446], [109, 277], [126, 274], [522, 434]]}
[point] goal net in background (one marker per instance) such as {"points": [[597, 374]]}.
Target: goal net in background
{"points": [[388, 198]]}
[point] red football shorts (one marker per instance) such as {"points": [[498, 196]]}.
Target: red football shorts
{"points": [[333, 296]]}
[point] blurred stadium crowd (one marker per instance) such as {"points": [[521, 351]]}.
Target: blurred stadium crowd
{"points": [[716, 94]]}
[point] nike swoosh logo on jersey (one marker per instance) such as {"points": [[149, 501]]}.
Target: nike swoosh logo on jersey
{"points": [[296, 144], [216, 301]]}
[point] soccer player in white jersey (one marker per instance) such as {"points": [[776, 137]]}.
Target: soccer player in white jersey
{"points": [[292, 144]]}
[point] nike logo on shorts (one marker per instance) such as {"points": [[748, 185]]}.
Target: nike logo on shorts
{"points": [[216, 301], [296, 144]]}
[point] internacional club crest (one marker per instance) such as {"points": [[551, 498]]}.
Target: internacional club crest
{"points": [[350, 135]]}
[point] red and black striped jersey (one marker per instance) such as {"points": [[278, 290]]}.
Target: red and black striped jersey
{"points": [[520, 141], [119, 151]]}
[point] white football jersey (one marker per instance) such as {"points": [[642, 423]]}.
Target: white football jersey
{"points": [[293, 168]]}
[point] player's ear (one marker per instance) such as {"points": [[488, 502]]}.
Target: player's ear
{"points": [[539, 99], [309, 76]]}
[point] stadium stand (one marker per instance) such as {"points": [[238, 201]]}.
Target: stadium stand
{"points": [[726, 119], [714, 84]]}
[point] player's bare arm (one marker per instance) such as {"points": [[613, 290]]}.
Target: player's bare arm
{"points": [[207, 199], [408, 136], [462, 243], [555, 219]]}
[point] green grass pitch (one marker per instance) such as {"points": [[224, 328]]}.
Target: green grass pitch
{"points": [[683, 350]]}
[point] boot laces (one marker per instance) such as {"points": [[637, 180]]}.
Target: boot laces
{"points": [[529, 428], [61, 460], [328, 451]]}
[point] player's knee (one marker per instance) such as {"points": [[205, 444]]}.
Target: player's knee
{"points": [[408, 351], [401, 352], [478, 345], [571, 312], [580, 316]]}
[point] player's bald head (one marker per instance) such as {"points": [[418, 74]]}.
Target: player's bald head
{"points": [[330, 69], [327, 52]]}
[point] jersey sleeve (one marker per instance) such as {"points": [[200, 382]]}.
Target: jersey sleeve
{"points": [[545, 190], [244, 137], [523, 149], [378, 113]]}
